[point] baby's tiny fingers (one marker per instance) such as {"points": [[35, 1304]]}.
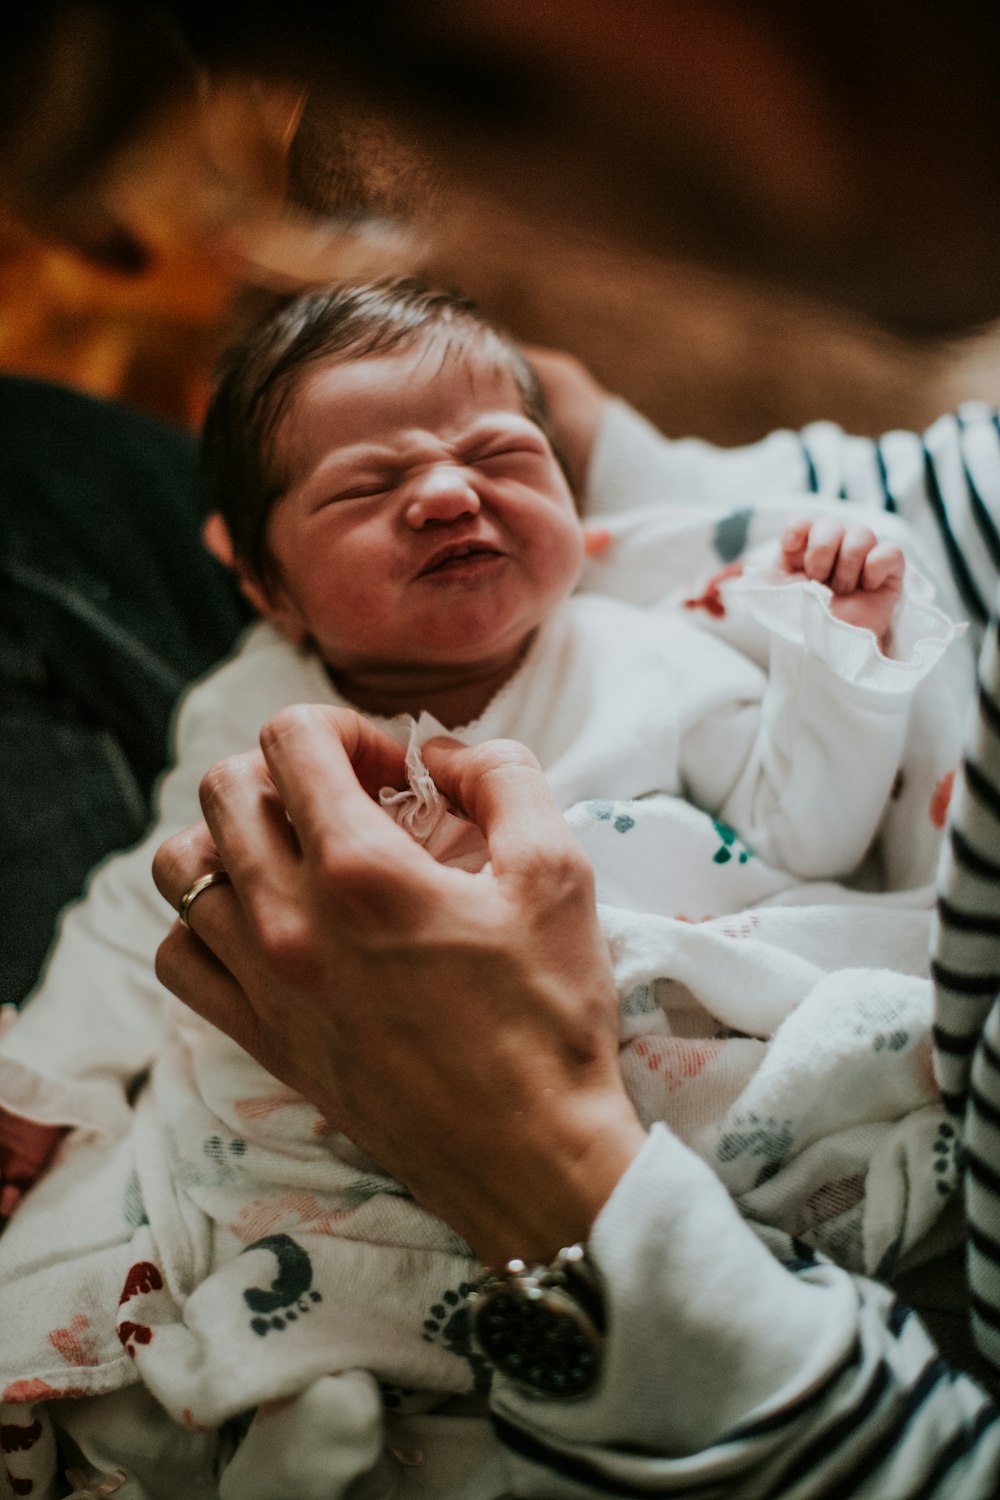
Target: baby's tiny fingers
{"points": [[793, 544], [824, 542], [884, 566], [10, 1197], [856, 546]]}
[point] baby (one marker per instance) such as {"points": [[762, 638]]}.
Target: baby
{"points": [[386, 488]]}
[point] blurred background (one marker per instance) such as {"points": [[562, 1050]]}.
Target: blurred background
{"points": [[699, 351]]}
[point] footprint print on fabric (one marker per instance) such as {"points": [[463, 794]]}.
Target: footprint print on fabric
{"points": [[607, 812], [143, 1278], [732, 845], [223, 1154], [947, 1160], [641, 1001], [448, 1323], [76, 1344], [732, 534], [710, 599], [772, 1139], [396, 1397], [893, 1041], [291, 1293], [17, 1437], [133, 1207], [217, 1166]]}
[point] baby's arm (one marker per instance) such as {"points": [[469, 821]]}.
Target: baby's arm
{"points": [[805, 773], [576, 405], [99, 1015], [864, 574]]}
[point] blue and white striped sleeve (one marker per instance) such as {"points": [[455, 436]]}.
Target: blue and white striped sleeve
{"points": [[944, 482], [966, 970]]}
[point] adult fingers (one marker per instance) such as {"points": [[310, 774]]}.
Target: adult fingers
{"points": [[231, 975], [857, 543], [181, 860], [500, 787], [575, 403], [313, 755], [247, 821], [215, 918], [363, 757], [186, 967]]}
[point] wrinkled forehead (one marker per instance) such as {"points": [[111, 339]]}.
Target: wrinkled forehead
{"points": [[460, 368], [434, 380]]}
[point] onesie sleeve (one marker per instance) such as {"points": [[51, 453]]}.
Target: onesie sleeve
{"points": [[99, 1015], [727, 1371], [805, 774]]}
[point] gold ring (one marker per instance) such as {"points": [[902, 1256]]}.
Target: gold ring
{"points": [[192, 893]]}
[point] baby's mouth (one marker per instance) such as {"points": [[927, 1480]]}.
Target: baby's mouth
{"points": [[459, 555]]}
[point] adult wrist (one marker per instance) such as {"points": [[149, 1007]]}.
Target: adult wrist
{"points": [[549, 1188], [681, 1271]]}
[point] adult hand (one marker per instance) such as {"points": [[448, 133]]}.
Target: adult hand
{"points": [[576, 403], [461, 1029]]}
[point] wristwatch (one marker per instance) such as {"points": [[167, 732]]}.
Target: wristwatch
{"points": [[543, 1326]]}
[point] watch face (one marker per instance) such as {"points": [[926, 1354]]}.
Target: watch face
{"points": [[540, 1337]]}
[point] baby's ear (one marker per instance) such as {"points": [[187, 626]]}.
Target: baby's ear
{"points": [[218, 539], [215, 535], [270, 604]]}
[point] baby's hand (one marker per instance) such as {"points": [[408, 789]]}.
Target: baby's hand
{"points": [[25, 1148], [865, 575]]}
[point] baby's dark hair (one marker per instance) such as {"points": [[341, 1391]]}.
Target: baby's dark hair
{"points": [[242, 471]]}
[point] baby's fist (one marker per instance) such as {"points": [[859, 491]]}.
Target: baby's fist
{"points": [[864, 574], [25, 1148]]}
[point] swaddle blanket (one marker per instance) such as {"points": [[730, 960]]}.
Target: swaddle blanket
{"points": [[232, 1252]]}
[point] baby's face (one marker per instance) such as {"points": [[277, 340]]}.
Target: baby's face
{"points": [[427, 521]]}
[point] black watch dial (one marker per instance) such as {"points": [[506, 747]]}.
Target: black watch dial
{"points": [[539, 1336]]}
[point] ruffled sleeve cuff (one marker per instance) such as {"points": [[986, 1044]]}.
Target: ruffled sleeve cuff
{"points": [[798, 612]]}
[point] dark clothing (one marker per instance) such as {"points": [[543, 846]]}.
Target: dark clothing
{"points": [[109, 605]]}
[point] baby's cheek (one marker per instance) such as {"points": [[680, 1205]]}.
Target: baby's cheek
{"points": [[567, 554]]}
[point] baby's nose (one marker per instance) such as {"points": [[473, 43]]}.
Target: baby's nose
{"points": [[441, 494]]}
